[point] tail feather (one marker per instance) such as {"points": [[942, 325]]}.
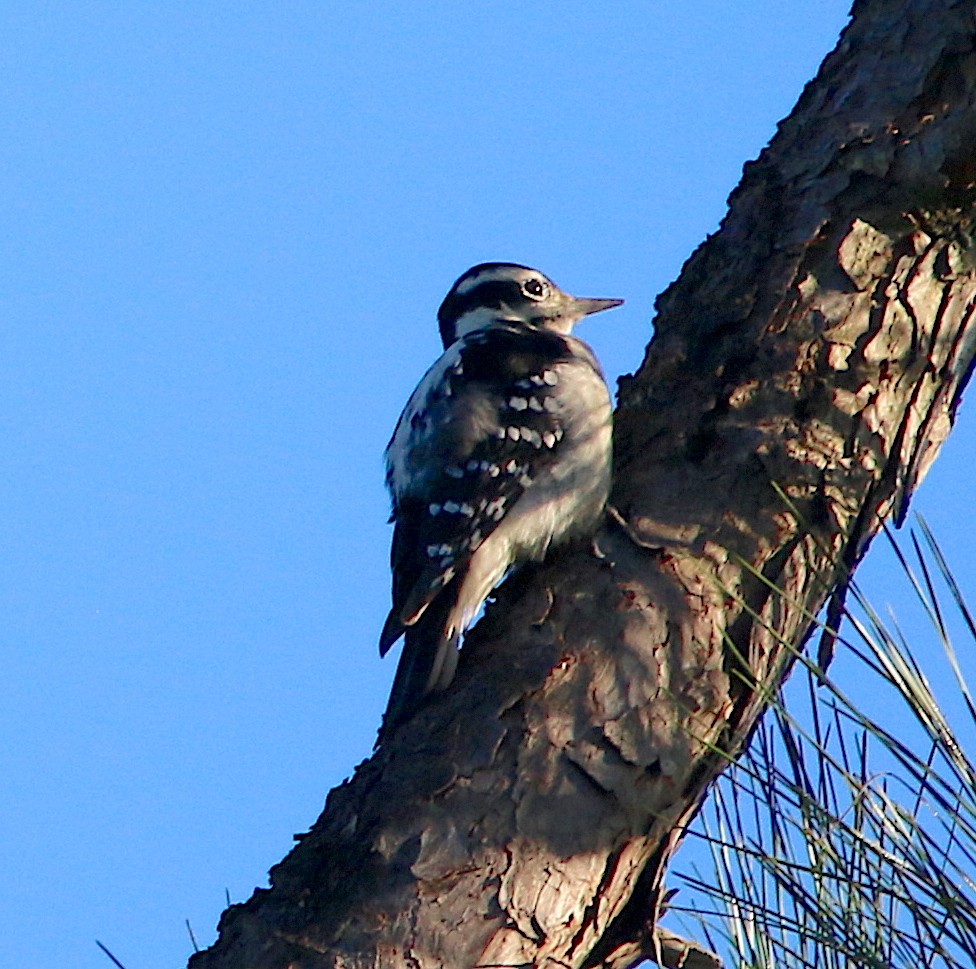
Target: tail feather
{"points": [[426, 664], [393, 629]]}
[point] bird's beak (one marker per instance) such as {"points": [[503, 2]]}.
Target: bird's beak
{"points": [[586, 307]]}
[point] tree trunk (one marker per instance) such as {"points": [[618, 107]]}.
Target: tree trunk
{"points": [[805, 370]]}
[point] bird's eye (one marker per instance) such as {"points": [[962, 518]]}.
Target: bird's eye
{"points": [[535, 288]]}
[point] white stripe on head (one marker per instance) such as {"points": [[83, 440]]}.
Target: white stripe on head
{"points": [[480, 317], [491, 272]]}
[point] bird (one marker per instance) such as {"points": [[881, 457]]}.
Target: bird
{"points": [[502, 452]]}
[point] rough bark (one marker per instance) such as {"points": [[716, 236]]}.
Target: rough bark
{"points": [[805, 369]]}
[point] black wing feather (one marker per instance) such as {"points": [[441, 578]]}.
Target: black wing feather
{"points": [[470, 480], [471, 483]]}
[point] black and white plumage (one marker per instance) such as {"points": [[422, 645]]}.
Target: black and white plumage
{"points": [[502, 451]]}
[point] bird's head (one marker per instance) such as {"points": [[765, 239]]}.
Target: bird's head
{"points": [[500, 292]]}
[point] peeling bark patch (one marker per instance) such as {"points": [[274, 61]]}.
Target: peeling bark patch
{"points": [[864, 254]]}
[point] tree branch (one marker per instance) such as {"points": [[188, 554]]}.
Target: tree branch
{"points": [[806, 368]]}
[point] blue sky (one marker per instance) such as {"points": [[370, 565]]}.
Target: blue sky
{"points": [[227, 228]]}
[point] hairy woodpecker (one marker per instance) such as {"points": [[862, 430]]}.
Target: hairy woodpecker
{"points": [[502, 451]]}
